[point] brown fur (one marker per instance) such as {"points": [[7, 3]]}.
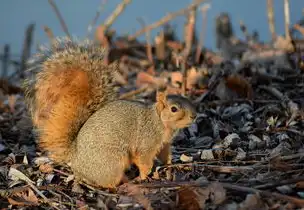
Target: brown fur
{"points": [[72, 84], [124, 132], [81, 122]]}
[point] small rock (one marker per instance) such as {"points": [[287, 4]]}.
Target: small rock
{"points": [[231, 139], [2, 147], [186, 159], [193, 129], [285, 189], [204, 141], [202, 179], [241, 154], [282, 137], [301, 194], [253, 141], [282, 149], [42, 160], [49, 178], [207, 154]]}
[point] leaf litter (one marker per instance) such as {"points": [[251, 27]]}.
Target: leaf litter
{"points": [[244, 151]]}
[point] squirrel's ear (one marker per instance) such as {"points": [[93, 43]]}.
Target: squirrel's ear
{"points": [[161, 100]]}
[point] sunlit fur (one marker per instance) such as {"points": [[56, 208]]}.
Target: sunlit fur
{"points": [[81, 121]]}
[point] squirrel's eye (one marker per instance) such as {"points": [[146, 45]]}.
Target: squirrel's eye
{"points": [[173, 109]]}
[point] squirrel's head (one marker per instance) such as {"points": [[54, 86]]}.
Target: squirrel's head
{"points": [[175, 111]]}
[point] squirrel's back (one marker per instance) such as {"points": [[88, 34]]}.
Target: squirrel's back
{"points": [[112, 137], [71, 83]]}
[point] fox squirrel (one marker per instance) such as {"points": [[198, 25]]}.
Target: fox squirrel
{"points": [[82, 122]]}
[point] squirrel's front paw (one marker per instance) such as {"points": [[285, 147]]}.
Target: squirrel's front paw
{"points": [[139, 179]]}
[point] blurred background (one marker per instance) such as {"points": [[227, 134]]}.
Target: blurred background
{"points": [[17, 15]]}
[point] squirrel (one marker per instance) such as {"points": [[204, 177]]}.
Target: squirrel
{"points": [[81, 121]]}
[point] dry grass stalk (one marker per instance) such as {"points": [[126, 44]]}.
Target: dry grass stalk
{"points": [[271, 19], [244, 30], [50, 35], [62, 23], [204, 10], [26, 50], [160, 46], [91, 25], [188, 40], [102, 38], [133, 92], [5, 60], [287, 19], [149, 47], [166, 19], [118, 10]]}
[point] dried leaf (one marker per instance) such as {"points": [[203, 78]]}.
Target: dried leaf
{"points": [[253, 201], [25, 160], [25, 198], [192, 198], [119, 78], [15, 174], [300, 184], [144, 78], [46, 168], [217, 193], [239, 85], [193, 76], [10, 160], [12, 102], [81, 205], [137, 193]]}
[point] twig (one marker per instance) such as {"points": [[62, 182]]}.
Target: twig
{"points": [[26, 51], [294, 156], [279, 183], [91, 25], [149, 48], [133, 92], [244, 30], [97, 190], [5, 61], [50, 35], [166, 19], [190, 32], [271, 19], [296, 201], [8, 192], [204, 10], [118, 10], [299, 28], [287, 19], [188, 39], [184, 72], [62, 23]]}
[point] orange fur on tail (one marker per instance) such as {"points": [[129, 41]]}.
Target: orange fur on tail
{"points": [[70, 83], [61, 99]]}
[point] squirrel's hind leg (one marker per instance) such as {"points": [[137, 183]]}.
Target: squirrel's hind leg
{"points": [[144, 162]]}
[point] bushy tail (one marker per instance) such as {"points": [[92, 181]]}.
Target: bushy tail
{"points": [[70, 82]]}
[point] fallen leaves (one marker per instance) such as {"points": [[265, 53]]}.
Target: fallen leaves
{"points": [[24, 198], [195, 198]]}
